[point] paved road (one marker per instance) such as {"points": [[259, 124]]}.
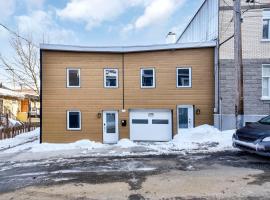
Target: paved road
{"points": [[184, 175]]}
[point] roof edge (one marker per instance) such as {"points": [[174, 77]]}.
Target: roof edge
{"points": [[127, 49], [190, 21]]}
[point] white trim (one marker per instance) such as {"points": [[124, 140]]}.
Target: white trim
{"points": [[154, 77], [266, 17], [67, 77], [104, 77], [190, 113], [190, 77], [126, 49], [265, 97], [80, 117], [110, 138]]}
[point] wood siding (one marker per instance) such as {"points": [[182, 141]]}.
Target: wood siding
{"points": [[92, 98]]}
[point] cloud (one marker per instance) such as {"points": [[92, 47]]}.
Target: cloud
{"points": [[157, 11], [93, 12], [42, 24], [7, 8]]}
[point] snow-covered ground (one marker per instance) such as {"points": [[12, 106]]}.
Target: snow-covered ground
{"points": [[203, 138], [20, 140]]}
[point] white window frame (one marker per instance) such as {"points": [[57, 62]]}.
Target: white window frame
{"points": [[190, 77], [154, 77], [265, 97], [266, 15], [70, 86], [104, 79], [80, 115]]}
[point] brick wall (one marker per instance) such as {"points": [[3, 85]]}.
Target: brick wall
{"points": [[252, 72]]}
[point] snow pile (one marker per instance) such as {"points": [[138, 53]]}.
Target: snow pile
{"points": [[81, 144], [19, 139], [126, 143], [203, 138]]}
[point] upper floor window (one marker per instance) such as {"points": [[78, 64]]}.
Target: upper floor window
{"points": [[266, 80], [266, 25], [73, 77], [148, 78], [183, 76], [73, 120], [110, 78]]}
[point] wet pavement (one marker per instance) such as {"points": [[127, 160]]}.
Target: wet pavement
{"points": [[132, 170]]}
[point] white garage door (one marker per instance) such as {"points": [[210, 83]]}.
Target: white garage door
{"points": [[150, 125]]}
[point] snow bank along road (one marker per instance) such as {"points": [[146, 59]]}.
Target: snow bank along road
{"points": [[219, 175]]}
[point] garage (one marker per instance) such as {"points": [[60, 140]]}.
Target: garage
{"points": [[151, 125]]}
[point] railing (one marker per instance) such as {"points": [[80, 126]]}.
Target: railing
{"points": [[11, 132]]}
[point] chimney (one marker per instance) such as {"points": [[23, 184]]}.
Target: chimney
{"points": [[171, 38]]}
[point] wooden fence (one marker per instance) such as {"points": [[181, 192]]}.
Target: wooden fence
{"points": [[16, 130]]}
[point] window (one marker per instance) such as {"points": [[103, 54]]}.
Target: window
{"points": [[183, 76], [139, 121], [73, 77], [160, 121], [266, 25], [266, 81], [147, 78], [110, 78], [73, 120]]}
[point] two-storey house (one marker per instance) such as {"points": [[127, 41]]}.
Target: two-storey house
{"points": [[145, 93]]}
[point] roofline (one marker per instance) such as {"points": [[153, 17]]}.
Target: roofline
{"points": [[190, 21], [127, 49]]}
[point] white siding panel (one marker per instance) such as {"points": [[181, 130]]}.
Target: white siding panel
{"points": [[204, 25]]}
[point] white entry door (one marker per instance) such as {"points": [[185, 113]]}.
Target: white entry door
{"points": [[110, 127], [185, 117]]}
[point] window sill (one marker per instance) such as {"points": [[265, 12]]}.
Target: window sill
{"points": [[150, 87], [265, 40], [74, 129], [265, 98], [183, 86], [73, 86]]}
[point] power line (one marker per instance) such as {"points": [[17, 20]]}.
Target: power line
{"points": [[17, 35]]}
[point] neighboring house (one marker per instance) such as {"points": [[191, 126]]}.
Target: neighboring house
{"points": [[145, 93], [18, 105], [214, 22]]}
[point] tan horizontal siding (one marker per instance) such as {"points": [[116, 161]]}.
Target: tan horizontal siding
{"points": [[92, 98]]}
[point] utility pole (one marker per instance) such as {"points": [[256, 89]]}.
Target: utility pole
{"points": [[238, 63]]}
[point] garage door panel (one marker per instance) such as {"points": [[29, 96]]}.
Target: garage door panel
{"points": [[150, 125]]}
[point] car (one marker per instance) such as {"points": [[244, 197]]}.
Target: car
{"points": [[254, 137]]}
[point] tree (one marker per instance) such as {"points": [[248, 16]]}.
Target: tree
{"points": [[23, 66]]}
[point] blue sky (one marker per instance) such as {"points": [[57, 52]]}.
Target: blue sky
{"points": [[94, 22]]}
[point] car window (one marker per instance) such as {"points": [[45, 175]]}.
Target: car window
{"points": [[265, 120]]}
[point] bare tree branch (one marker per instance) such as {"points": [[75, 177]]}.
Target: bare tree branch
{"points": [[24, 67]]}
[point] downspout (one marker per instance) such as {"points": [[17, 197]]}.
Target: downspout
{"points": [[123, 82], [40, 97]]}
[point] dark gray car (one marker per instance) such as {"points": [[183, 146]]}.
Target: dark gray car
{"points": [[254, 137]]}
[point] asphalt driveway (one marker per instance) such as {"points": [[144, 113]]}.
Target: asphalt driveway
{"points": [[221, 175]]}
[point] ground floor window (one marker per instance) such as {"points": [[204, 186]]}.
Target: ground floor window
{"points": [[73, 120], [266, 80]]}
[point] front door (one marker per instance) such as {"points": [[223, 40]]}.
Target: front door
{"points": [[110, 127], [185, 117]]}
